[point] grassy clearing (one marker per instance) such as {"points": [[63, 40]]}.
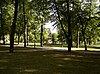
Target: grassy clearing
{"points": [[48, 62]]}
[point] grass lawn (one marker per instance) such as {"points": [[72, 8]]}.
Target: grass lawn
{"points": [[48, 62]]}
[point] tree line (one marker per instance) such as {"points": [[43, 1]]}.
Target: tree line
{"points": [[75, 20]]}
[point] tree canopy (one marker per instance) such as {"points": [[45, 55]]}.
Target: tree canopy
{"points": [[24, 21]]}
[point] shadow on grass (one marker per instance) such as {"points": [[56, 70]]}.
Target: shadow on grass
{"points": [[90, 46], [48, 62], [94, 47], [17, 48]]}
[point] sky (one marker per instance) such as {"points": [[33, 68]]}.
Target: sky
{"points": [[49, 25]]}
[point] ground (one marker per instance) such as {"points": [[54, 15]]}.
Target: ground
{"points": [[42, 61]]}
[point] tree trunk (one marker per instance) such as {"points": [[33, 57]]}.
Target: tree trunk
{"points": [[27, 37], [83, 33], [19, 34], [24, 24], [77, 45], [0, 37], [13, 27], [18, 38], [69, 26], [89, 40], [3, 38], [69, 29], [41, 36], [34, 39], [0, 22], [2, 27]]}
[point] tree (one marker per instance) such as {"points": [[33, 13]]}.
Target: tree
{"points": [[41, 12], [13, 27], [46, 33], [64, 12], [54, 38], [69, 27], [86, 15], [2, 26], [60, 20], [68, 12], [25, 19]]}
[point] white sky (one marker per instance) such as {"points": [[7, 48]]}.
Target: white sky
{"points": [[49, 25]]}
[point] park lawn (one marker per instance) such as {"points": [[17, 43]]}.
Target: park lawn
{"points": [[48, 62]]}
